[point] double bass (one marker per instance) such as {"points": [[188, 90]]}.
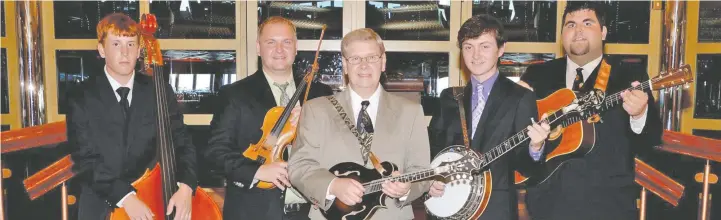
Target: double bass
{"points": [[278, 132], [155, 187]]}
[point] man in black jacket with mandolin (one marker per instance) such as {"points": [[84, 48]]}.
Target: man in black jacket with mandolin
{"points": [[237, 124], [599, 185]]}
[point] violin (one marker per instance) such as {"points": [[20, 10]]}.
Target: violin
{"points": [[278, 132]]}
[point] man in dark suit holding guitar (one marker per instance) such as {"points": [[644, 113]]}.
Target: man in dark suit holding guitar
{"points": [[111, 125], [495, 109], [236, 125], [601, 184]]}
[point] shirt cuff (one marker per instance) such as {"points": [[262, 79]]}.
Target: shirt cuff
{"points": [[638, 124], [536, 155], [253, 183], [328, 196], [404, 197], [120, 203]]}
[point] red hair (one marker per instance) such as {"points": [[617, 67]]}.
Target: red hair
{"points": [[118, 24]]}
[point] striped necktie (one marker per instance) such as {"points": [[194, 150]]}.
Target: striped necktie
{"points": [[478, 110]]}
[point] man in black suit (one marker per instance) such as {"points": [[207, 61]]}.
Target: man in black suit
{"points": [[111, 127], [601, 184], [236, 125], [508, 109]]}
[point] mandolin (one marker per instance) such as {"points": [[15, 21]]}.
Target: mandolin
{"points": [[278, 132], [371, 179], [155, 187], [572, 117]]}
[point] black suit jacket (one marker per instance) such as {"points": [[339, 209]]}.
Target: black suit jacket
{"points": [[508, 110], [95, 133], [601, 184], [235, 126]]}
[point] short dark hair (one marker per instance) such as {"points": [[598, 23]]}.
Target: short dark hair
{"points": [[573, 6], [480, 24]]}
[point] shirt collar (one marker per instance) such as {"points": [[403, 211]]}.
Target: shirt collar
{"points": [[487, 85], [587, 69], [374, 99], [271, 81], [115, 84]]}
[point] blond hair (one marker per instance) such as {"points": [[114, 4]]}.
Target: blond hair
{"points": [[362, 34], [276, 20]]}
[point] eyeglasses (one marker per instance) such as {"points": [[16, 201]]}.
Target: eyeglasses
{"points": [[368, 59]]}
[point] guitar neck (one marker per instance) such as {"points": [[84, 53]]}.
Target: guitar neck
{"points": [[557, 118], [615, 99], [608, 103], [375, 185]]}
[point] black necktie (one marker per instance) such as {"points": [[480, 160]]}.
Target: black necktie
{"points": [[364, 122], [365, 128], [125, 109], [124, 104], [578, 81]]}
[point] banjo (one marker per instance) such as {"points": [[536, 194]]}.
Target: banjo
{"points": [[466, 197]]}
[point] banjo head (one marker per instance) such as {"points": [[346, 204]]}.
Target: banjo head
{"points": [[463, 193]]}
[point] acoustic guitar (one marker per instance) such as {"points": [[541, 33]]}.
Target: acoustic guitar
{"points": [[573, 116]]}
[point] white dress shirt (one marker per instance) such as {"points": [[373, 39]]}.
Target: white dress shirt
{"points": [[115, 85]]}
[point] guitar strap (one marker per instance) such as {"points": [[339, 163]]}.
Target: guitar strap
{"points": [[602, 79], [458, 95], [600, 85], [364, 139]]}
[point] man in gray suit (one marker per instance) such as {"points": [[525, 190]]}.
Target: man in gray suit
{"points": [[324, 140]]}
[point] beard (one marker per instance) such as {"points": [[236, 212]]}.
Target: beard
{"points": [[580, 48]]}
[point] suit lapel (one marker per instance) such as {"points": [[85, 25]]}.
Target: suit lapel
{"points": [[144, 101], [560, 75], [106, 95], [589, 83], [497, 104], [385, 121], [262, 92], [345, 101], [467, 96]]}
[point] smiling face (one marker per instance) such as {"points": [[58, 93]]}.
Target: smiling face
{"points": [[363, 63], [120, 53], [276, 47], [582, 34], [481, 54]]}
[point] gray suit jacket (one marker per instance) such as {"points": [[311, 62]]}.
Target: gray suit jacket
{"points": [[324, 140]]}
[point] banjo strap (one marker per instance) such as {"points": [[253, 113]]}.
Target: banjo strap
{"points": [[458, 95]]}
